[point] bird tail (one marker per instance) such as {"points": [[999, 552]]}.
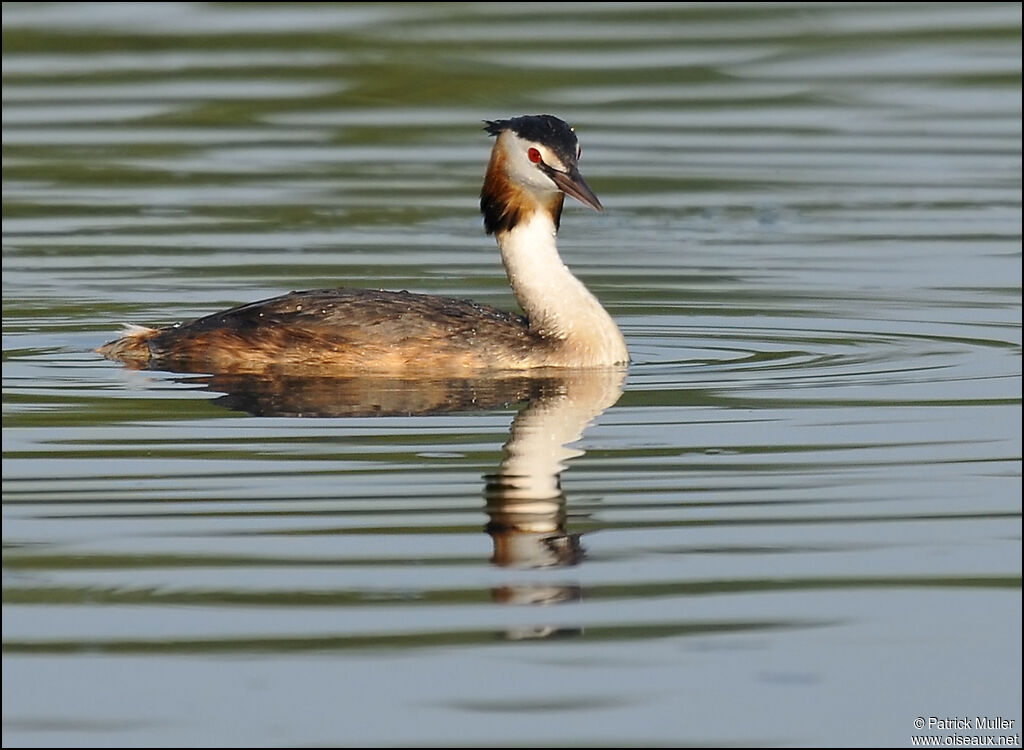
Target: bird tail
{"points": [[132, 347]]}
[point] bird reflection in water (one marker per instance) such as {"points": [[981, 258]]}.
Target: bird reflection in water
{"points": [[525, 504]]}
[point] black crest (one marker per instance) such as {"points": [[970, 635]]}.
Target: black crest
{"points": [[547, 129]]}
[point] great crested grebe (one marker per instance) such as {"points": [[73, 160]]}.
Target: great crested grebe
{"points": [[533, 166]]}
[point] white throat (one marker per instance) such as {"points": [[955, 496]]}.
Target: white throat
{"points": [[556, 303]]}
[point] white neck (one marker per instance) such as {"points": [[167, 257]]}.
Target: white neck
{"points": [[556, 303]]}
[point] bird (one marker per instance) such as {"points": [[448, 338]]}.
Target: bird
{"points": [[534, 164]]}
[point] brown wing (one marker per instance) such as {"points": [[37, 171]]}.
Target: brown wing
{"points": [[343, 330]]}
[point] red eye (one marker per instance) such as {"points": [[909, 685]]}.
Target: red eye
{"points": [[533, 155]]}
